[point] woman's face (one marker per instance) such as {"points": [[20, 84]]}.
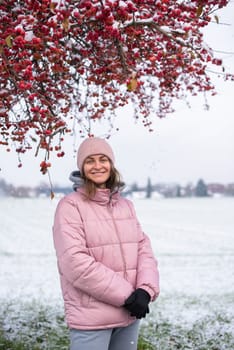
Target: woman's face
{"points": [[97, 169]]}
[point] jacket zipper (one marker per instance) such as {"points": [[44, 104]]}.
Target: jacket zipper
{"points": [[117, 234]]}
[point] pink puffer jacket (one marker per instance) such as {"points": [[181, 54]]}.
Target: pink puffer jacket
{"points": [[103, 256]]}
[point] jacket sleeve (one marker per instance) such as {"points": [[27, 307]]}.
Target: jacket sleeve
{"points": [[147, 267], [75, 263]]}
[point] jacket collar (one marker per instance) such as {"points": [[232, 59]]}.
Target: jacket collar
{"points": [[103, 196]]}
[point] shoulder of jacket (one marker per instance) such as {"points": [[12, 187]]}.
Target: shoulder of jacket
{"points": [[129, 204], [127, 201], [71, 198]]}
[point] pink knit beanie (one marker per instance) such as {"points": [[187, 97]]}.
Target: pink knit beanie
{"points": [[91, 146]]}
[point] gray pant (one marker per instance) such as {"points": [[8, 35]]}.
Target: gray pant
{"points": [[121, 338]]}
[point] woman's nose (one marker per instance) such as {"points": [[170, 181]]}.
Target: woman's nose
{"points": [[97, 164]]}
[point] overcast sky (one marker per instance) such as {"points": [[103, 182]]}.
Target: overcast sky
{"points": [[184, 147]]}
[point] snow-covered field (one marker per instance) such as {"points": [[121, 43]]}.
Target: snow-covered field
{"points": [[193, 240]]}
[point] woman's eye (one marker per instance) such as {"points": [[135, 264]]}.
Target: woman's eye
{"points": [[89, 161]]}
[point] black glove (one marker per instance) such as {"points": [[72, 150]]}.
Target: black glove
{"points": [[137, 303]]}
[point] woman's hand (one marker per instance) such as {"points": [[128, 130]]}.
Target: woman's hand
{"points": [[137, 303]]}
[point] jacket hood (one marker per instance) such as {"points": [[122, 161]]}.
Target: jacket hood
{"points": [[77, 180]]}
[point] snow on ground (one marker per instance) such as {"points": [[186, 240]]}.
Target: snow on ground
{"points": [[194, 242], [192, 238]]}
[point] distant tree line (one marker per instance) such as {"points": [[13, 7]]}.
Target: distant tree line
{"points": [[200, 189], [167, 190]]}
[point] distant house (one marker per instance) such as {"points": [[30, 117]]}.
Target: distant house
{"points": [[216, 188], [230, 189]]}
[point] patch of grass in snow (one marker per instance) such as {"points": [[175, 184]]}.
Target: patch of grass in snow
{"points": [[32, 327], [197, 323], [25, 326], [208, 334]]}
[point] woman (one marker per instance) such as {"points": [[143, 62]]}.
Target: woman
{"points": [[107, 268]]}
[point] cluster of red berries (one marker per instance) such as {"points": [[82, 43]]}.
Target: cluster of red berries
{"points": [[83, 60]]}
